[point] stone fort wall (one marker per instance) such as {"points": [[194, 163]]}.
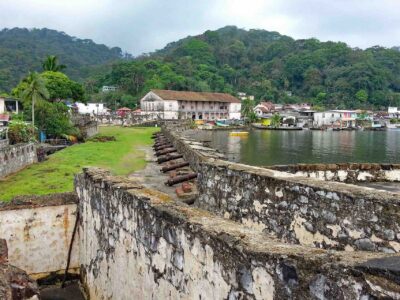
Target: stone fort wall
{"points": [[295, 207], [15, 157], [38, 232], [345, 172], [139, 243]]}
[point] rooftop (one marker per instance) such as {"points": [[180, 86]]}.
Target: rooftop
{"points": [[195, 96]]}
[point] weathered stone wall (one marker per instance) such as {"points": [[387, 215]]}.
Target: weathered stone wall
{"points": [[136, 243], [302, 210], [15, 284], [193, 152], [16, 157], [89, 129], [297, 209], [346, 172], [38, 232]]}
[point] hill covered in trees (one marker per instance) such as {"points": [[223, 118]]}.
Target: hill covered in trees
{"points": [[23, 50], [268, 65]]}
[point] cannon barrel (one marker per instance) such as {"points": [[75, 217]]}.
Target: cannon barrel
{"points": [[162, 147], [168, 157], [179, 179], [174, 167], [165, 151]]}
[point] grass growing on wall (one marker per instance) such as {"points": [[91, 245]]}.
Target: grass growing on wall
{"points": [[55, 175]]}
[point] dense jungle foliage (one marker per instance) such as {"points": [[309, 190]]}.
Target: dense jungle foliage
{"points": [[23, 50], [269, 66], [265, 64]]}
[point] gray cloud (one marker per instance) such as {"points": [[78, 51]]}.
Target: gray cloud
{"points": [[140, 26]]}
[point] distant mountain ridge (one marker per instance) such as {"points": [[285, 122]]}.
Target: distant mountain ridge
{"points": [[23, 50], [269, 66]]}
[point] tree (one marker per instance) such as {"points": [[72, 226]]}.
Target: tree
{"points": [[51, 64], [275, 120], [61, 87], [362, 96], [35, 91], [248, 110]]}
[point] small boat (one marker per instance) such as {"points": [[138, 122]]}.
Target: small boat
{"points": [[222, 123], [238, 133]]}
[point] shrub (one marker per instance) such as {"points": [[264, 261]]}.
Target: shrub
{"points": [[20, 132]]}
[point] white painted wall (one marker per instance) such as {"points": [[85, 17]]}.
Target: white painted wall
{"points": [[38, 238], [91, 108], [326, 118], [235, 110], [2, 106]]}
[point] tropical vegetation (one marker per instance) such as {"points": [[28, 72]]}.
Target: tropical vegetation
{"points": [[265, 64], [55, 175], [23, 50], [269, 66]]}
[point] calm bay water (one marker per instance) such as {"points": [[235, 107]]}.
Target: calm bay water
{"points": [[264, 147]]}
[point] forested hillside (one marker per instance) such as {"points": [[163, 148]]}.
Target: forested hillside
{"points": [[23, 50], [268, 65]]}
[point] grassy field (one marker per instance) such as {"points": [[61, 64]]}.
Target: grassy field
{"points": [[56, 175]]}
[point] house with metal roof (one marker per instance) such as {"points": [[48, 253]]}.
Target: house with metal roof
{"points": [[168, 104]]}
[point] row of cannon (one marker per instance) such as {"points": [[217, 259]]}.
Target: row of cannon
{"points": [[166, 152]]}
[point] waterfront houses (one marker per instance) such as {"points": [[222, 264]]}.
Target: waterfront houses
{"points": [[168, 104], [339, 118]]}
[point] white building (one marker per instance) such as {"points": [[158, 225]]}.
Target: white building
{"points": [[91, 108], [8, 105], [393, 112], [343, 118], [109, 88], [191, 105]]}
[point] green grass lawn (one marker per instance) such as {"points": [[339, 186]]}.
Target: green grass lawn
{"points": [[55, 175]]}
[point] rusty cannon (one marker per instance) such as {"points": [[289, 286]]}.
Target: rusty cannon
{"points": [[179, 179], [157, 136], [165, 151], [168, 157], [159, 141], [174, 167], [162, 147]]}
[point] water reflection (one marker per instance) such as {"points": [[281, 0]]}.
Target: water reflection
{"points": [[288, 147]]}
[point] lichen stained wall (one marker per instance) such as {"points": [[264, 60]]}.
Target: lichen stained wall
{"points": [[137, 243], [38, 234]]}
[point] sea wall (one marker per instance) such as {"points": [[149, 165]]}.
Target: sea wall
{"points": [[138, 243], [38, 232], [15, 157], [346, 172], [302, 210], [295, 208]]}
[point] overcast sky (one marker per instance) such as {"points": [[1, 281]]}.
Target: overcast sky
{"points": [[139, 26]]}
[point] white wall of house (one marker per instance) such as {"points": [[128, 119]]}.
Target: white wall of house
{"points": [[235, 110], [91, 108], [2, 106], [326, 118]]}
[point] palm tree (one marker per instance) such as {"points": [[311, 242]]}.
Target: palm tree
{"points": [[51, 64], [34, 91], [248, 110], [275, 120]]}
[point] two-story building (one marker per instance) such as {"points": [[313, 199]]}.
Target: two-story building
{"points": [[339, 118], [168, 104]]}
